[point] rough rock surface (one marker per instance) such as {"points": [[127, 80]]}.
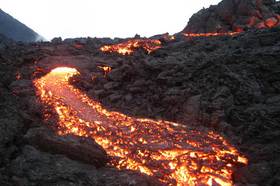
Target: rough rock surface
{"points": [[74, 147], [235, 16], [33, 167], [228, 84]]}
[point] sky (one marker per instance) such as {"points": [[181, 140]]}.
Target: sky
{"points": [[103, 18]]}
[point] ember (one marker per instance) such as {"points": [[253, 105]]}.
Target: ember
{"points": [[18, 76], [128, 47], [106, 69], [174, 154]]}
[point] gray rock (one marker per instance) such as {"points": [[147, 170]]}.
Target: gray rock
{"points": [[111, 85], [128, 97], [232, 15], [115, 97], [22, 87], [255, 173], [98, 92], [74, 147], [56, 40], [191, 109], [33, 167]]}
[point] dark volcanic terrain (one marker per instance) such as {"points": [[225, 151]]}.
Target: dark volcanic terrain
{"points": [[228, 84], [235, 16]]}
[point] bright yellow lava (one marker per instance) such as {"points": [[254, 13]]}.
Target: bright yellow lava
{"points": [[170, 152]]}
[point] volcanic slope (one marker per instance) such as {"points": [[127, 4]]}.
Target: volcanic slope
{"points": [[228, 84]]}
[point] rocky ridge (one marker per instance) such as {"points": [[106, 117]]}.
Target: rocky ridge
{"points": [[235, 16]]}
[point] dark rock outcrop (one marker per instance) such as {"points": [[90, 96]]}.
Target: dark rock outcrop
{"points": [[75, 147], [33, 167], [235, 16], [228, 84]]}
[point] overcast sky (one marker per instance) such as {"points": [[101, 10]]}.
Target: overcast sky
{"points": [[103, 18]]}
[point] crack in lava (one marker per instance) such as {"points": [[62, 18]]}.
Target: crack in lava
{"points": [[172, 153]]}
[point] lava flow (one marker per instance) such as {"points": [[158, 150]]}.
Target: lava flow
{"points": [[210, 34], [172, 153], [128, 47]]}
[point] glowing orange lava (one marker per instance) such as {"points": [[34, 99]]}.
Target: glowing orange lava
{"points": [[106, 69], [128, 47], [210, 34], [172, 153], [18, 76]]}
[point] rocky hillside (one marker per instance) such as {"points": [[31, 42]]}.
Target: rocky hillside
{"points": [[15, 30], [228, 84], [235, 16]]}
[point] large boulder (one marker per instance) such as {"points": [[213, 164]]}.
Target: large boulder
{"points": [[74, 147], [33, 167]]}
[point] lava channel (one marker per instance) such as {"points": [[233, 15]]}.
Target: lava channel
{"points": [[128, 47], [172, 153]]}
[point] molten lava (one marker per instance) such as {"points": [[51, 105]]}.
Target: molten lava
{"points": [[128, 47], [106, 69], [211, 34], [172, 153], [18, 76]]}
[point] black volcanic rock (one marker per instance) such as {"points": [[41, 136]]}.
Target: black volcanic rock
{"points": [[4, 41], [34, 167], [230, 85], [74, 147], [13, 29], [235, 15]]}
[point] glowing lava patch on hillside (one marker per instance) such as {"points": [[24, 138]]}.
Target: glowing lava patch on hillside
{"points": [[128, 47], [172, 153], [210, 34]]}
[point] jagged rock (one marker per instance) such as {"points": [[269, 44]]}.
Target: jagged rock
{"points": [[191, 109], [115, 97], [97, 92], [139, 83], [74, 147], [4, 41], [33, 167], [256, 173], [111, 85], [120, 73], [112, 177], [56, 40], [128, 97], [10, 132], [135, 89], [235, 16], [22, 87]]}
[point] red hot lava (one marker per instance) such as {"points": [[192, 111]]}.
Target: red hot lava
{"points": [[172, 153], [106, 69], [210, 34], [128, 47]]}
